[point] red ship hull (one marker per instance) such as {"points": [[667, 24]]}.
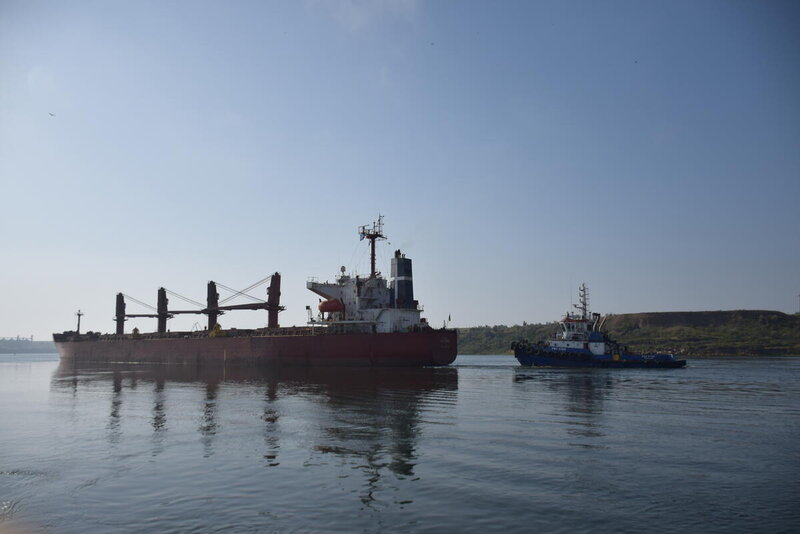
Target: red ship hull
{"points": [[430, 347]]}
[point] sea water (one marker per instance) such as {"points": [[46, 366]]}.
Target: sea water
{"points": [[481, 446]]}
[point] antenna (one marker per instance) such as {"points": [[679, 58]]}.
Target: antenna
{"points": [[583, 298], [372, 233]]}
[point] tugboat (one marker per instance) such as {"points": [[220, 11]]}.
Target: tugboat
{"points": [[580, 342]]}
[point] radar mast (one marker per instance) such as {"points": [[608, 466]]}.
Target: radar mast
{"points": [[372, 233], [583, 299]]}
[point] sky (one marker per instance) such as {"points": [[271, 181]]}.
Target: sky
{"points": [[516, 150]]}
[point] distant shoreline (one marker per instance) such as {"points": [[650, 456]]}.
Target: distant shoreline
{"points": [[26, 346], [707, 334]]}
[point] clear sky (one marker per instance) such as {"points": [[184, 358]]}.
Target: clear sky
{"points": [[648, 148]]}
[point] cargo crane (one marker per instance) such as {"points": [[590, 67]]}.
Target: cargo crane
{"points": [[213, 307]]}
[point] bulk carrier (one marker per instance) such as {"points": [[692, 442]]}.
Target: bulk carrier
{"points": [[363, 321]]}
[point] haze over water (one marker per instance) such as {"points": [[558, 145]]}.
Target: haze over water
{"points": [[481, 446]]}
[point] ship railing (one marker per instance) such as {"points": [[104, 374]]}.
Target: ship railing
{"points": [[290, 331]]}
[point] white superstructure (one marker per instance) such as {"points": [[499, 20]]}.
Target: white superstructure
{"points": [[580, 330], [370, 304]]}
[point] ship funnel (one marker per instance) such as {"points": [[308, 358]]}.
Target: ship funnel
{"points": [[403, 281]]}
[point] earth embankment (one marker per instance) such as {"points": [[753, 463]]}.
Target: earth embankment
{"points": [[703, 333]]}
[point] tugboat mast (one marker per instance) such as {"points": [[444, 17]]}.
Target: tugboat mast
{"points": [[583, 298], [373, 233]]}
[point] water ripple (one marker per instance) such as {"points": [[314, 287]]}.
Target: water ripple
{"points": [[485, 446]]}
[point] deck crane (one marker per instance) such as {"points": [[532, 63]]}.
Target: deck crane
{"points": [[213, 307]]}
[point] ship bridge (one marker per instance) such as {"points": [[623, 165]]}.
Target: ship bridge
{"points": [[371, 303]]}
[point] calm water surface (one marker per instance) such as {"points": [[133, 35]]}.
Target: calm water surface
{"points": [[483, 446]]}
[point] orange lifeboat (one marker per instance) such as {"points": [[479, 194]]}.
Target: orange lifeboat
{"points": [[329, 306]]}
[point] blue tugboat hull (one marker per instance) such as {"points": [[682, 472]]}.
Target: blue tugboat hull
{"points": [[586, 359]]}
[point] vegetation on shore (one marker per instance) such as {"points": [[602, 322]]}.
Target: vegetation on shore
{"points": [[722, 333]]}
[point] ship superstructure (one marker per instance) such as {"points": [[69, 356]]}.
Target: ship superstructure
{"points": [[372, 303], [581, 330]]}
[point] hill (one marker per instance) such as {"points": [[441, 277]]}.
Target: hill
{"points": [[738, 332]]}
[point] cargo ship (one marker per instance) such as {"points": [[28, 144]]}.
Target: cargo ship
{"points": [[362, 321], [580, 342]]}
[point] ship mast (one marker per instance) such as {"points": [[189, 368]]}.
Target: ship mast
{"points": [[372, 233], [583, 298]]}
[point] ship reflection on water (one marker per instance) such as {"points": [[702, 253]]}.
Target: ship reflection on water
{"points": [[583, 393], [482, 446], [347, 419]]}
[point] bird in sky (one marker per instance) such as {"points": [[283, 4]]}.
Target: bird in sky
{"points": [[52, 114]]}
